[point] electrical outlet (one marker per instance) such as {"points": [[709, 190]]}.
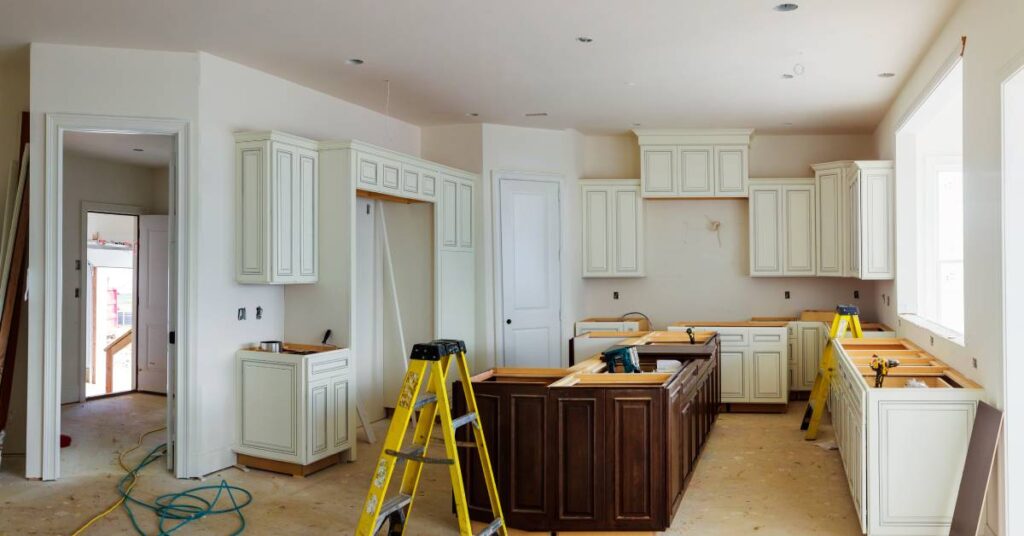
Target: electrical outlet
{"points": [[932, 339], [259, 312], [241, 313], [856, 294], [615, 295], [887, 300], [974, 361], [787, 294]]}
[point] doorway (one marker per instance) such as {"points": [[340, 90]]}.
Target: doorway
{"points": [[531, 271]]}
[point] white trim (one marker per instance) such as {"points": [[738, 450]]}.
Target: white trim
{"points": [[497, 283], [185, 265], [83, 284], [943, 71]]}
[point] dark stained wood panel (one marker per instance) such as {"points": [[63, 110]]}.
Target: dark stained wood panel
{"points": [[579, 449], [634, 458], [527, 435]]}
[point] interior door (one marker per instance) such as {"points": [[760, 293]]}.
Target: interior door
{"points": [[531, 272], [152, 350]]}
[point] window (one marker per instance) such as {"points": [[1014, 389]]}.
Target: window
{"points": [[930, 191]]}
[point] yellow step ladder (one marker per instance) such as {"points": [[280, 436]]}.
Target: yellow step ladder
{"points": [[846, 319], [433, 357]]}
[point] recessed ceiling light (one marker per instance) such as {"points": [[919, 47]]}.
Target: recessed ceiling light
{"points": [[354, 61], [585, 39], [472, 114], [137, 150], [537, 114], [787, 76], [786, 7], [636, 124], [886, 75]]}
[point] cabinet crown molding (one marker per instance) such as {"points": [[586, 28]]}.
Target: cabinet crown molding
{"points": [[694, 136], [773, 181], [275, 135], [863, 164], [362, 146]]}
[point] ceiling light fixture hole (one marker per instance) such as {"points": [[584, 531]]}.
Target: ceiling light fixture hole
{"points": [[787, 76], [472, 114], [585, 39], [137, 150], [785, 8], [886, 75], [354, 61]]}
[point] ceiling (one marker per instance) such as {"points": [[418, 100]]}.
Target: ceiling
{"points": [[155, 149], [660, 63]]}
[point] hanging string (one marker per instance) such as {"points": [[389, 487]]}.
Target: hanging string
{"points": [[387, 111]]}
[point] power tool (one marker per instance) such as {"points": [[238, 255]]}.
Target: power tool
{"points": [[881, 368], [627, 355]]}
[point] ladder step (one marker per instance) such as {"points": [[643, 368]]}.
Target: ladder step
{"points": [[389, 507], [415, 454], [491, 529], [464, 420], [423, 401]]}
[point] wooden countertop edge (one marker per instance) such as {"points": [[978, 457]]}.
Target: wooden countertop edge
{"points": [[736, 324]]}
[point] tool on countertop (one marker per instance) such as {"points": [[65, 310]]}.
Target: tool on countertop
{"points": [[847, 318], [881, 368], [689, 333], [627, 355], [327, 337], [433, 358]]}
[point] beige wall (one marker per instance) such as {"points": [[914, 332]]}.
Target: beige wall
{"points": [[995, 49], [89, 179]]}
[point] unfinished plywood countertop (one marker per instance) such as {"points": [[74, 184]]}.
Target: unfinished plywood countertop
{"points": [[755, 322]]}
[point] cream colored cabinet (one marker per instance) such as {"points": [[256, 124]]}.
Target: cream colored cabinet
{"points": [[295, 408], [807, 342], [456, 212], [855, 221], [276, 208], [694, 163], [612, 228], [782, 227], [754, 363]]}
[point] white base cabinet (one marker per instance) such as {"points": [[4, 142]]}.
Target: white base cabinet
{"points": [[296, 408], [903, 449], [754, 363], [807, 341], [613, 228]]}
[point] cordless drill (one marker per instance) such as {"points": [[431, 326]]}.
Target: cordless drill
{"points": [[881, 368]]}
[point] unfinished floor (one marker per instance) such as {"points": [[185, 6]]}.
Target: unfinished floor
{"points": [[756, 476]]}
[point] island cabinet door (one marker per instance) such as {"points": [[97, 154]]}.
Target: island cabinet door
{"points": [[635, 451], [675, 451], [578, 485]]}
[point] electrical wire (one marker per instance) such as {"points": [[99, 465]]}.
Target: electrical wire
{"points": [[182, 507]]}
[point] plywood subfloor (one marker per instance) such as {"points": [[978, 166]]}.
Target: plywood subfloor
{"points": [[757, 476]]}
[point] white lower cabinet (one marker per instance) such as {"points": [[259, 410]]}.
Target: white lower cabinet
{"points": [[295, 408], [754, 363], [903, 449]]}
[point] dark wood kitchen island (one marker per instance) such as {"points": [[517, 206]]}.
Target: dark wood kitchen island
{"points": [[585, 449]]}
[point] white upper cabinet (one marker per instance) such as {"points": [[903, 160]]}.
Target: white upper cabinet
{"points": [[855, 220], [782, 227], [612, 228], [276, 206], [694, 163]]}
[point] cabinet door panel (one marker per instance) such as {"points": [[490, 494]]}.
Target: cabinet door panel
{"points": [[270, 411], [340, 406], [659, 171], [768, 380], [252, 210], [369, 170], [829, 228], [429, 184], [635, 447], [878, 225], [627, 249], [390, 175], [765, 231], [527, 467], [411, 180], [580, 434], [284, 214], [449, 209], [306, 235], [318, 421], [697, 170], [853, 227], [731, 170], [465, 215], [734, 387], [798, 232], [810, 354], [596, 232]]}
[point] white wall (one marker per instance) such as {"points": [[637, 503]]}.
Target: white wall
{"points": [[101, 181], [90, 80], [995, 49]]}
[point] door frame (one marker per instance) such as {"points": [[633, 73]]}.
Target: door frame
{"points": [[83, 283], [44, 375], [499, 302]]}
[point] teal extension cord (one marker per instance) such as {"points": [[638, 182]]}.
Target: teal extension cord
{"points": [[176, 510]]}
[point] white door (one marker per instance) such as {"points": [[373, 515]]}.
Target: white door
{"points": [[368, 352], [531, 272], [151, 339]]}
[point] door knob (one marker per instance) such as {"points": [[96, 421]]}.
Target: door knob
{"points": [[508, 321]]}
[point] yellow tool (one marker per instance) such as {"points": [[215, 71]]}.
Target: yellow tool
{"points": [[881, 368], [433, 357], [846, 319]]}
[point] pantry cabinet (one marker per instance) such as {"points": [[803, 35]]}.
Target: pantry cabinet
{"points": [[612, 228], [295, 407], [855, 221], [782, 227], [684, 163], [276, 208]]}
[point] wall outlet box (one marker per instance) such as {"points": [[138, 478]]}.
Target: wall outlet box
{"points": [[787, 294], [615, 295], [241, 313]]}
